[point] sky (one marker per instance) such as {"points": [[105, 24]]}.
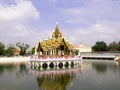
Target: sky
{"points": [[80, 21]]}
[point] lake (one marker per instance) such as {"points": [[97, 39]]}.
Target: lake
{"points": [[91, 75]]}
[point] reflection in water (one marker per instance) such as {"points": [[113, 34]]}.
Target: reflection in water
{"points": [[23, 71], [8, 67], [96, 75], [55, 80], [11, 67], [100, 67], [115, 68]]}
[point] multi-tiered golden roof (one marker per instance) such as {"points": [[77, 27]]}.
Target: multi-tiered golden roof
{"points": [[55, 46]]}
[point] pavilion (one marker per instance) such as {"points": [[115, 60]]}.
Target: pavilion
{"points": [[56, 46]]}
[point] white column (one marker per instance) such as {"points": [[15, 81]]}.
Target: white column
{"points": [[50, 51], [35, 51]]}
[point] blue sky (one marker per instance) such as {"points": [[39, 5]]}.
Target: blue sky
{"points": [[86, 21]]}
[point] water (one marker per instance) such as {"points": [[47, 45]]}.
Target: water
{"points": [[92, 75]]}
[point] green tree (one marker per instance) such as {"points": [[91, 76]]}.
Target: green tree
{"points": [[23, 47], [10, 50], [113, 46], [33, 50], [76, 52], [119, 46], [2, 48], [100, 46]]}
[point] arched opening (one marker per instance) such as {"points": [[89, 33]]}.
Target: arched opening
{"points": [[72, 64], [44, 65], [35, 65], [60, 65], [51, 65], [66, 64], [39, 66], [31, 67]]}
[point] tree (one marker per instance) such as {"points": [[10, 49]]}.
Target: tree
{"points": [[23, 47], [10, 50], [113, 46], [2, 48], [33, 50], [76, 52], [119, 46], [100, 46]]}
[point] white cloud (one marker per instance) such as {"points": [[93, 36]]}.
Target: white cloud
{"points": [[104, 31], [96, 20], [92, 20], [20, 30], [13, 18], [90, 12], [21, 10]]}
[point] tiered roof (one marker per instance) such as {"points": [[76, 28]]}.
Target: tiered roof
{"points": [[56, 40]]}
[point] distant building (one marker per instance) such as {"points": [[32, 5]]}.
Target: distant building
{"points": [[55, 46], [16, 52], [83, 48]]}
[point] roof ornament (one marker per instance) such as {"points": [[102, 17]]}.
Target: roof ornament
{"points": [[57, 20], [56, 23]]}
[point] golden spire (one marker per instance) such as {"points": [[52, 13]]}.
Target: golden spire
{"points": [[56, 34], [57, 29]]}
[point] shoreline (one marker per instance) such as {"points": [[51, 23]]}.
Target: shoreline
{"points": [[14, 59]]}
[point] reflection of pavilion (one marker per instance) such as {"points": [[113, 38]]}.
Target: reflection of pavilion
{"points": [[55, 72], [55, 80], [57, 83]]}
